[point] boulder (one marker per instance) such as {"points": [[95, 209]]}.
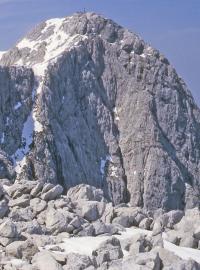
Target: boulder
{"points": [[52, 193], [63, 202], [146, 223], [3, 208], [6, 166], [197, 233], [77, 262], [8, 233], [85, 192], [43, 240], [149, 259], [32, 227], [126, 216], [107, 251], [157, 228], [87, 230], [2, 191], [174, 217], [173, 237], [102, 228], [189, 222], [37, 189], [47, 187], [8, 229], [140, 243], [122, 220], [22, 249], [77, 222], [187, 240], [44, 260], [167, 257], [108, 213], [56, 221], [21, 214], [22, 201], [37, 205], [91, 210], [20, 188]]}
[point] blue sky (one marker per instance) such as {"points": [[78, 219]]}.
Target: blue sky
{"points": [[172, 26]]}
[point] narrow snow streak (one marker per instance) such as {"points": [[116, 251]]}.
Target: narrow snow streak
{"points": [[27, 137], [18, 105], [3, 138], [1, 54]]}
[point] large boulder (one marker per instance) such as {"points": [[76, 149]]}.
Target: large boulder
{"points": [[8, 229], [107, 251], [128, 216], [77, 262], [102, 228], [8, 232], [37, 205], [6, 166], [3, 208], [57, 220], [22, 201], [22, 249], [37, 189], [20, 188], [91, 210], [85, 192], [52, 193], [21, 214], [44, 260], [149, 259]]}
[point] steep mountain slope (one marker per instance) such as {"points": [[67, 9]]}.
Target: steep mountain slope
{"points": [[108, 110]]}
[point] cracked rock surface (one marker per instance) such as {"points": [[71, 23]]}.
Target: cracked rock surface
{"points": [[84, 100]]}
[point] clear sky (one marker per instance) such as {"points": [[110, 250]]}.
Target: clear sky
{"points": [[172, 26]]}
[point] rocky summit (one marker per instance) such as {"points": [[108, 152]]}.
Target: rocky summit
{"points": [[84, 100], [99, 152]]}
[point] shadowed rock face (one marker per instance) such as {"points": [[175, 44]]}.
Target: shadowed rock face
{"points": [[112, 112]]}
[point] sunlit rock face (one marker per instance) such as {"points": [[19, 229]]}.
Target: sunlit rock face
{"points": [[102, 108]]}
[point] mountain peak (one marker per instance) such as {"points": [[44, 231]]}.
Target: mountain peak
{"points": [[95, 104], [50, 39]]}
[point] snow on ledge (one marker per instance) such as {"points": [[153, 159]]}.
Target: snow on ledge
{"points": [[1, 54]]}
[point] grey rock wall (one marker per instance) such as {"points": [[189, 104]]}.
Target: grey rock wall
{"points": [[115, 115]]}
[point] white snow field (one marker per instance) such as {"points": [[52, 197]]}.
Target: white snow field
{"points": [[85, 245]]}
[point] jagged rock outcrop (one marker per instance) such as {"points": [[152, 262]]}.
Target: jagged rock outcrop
{"points": [[109, 111]]}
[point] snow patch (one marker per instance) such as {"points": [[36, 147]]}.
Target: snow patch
{"points": [[18, 105], [27, 138], [3, 138], [1, 54], [183, 252], [116, 113], [7, 121], [143, 55], [77, 244], [103, 164], [113, 171]]}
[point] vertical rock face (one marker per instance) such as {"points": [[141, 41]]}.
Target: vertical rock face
{"points": [[16, 85], [109, 111]]}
